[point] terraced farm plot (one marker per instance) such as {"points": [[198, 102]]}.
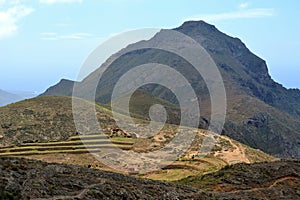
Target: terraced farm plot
{"points": [[75, 145], [184, 168]]}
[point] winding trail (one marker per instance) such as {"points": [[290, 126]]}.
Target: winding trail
{"points": [[236, 155]]}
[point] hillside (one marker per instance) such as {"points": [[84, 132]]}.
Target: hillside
{"points": [[274, 180], [23, 179], [260, 112], [39, 119], [57, 181], [42, 119], [42, 128]]}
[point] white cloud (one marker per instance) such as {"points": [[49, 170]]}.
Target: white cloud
{"points": [[248, 13], [63, 24], [49, 34], [243, 5], [72, 36], [59, 1], [10, 17]]}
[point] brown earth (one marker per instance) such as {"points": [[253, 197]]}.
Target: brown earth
{"points": [[31, 179]]}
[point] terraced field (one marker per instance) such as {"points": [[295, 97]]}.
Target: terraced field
{"points": [[76, 150], [74, 145]]}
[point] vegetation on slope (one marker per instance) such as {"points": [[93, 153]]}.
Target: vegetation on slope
{"points": [[266, 180], [64, 146]]}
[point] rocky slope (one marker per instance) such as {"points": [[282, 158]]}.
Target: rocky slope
{"points": [[244, 68], [63, 88], [274, 180], [36, 120], [28, 179], [43, 119]]}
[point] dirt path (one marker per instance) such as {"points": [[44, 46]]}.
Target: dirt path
{"points": [[283, 179], [236, 155]]}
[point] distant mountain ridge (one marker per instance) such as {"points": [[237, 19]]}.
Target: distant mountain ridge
{"points": [[14, 96], [260, 112], [7, 97]]}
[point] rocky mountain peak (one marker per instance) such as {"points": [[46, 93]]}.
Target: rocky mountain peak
{"points": [[197, 25], [215, 41], [228, 52]]}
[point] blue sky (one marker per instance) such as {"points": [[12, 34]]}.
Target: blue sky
{"points": [[43, 41]]}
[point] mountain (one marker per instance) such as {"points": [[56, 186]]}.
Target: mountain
{"points": [[26, 179], [260, 112], [6, 98], [11, 97], [42, 129]]}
